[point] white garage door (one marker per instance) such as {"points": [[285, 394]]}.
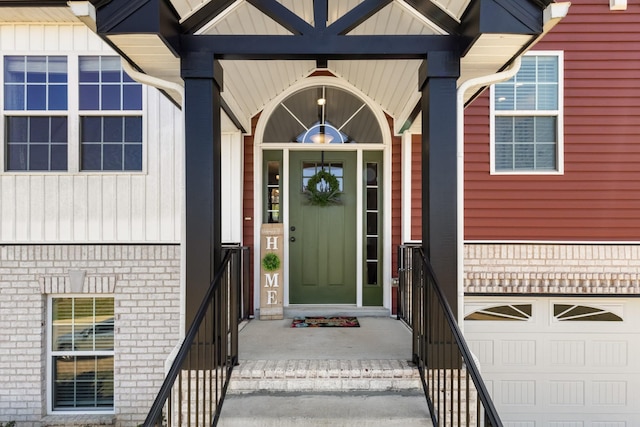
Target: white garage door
{"points": [[559, 362]]}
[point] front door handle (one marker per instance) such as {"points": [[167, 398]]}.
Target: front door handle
{"points": [[293, 239]]}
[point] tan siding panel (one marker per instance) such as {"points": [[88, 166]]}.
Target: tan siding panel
{"points": [[598, 196]]}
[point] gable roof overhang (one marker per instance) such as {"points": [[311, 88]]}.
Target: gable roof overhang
{"points": [[265, 46]]}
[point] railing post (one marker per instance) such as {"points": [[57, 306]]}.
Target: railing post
{"points": [[246, 280], [417, 291], [236, 267]]}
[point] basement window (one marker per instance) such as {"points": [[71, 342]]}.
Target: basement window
{"points": [[81, 354]]}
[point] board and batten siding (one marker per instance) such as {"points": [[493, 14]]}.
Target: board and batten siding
{"points": [[73, 207], [598, 196]]}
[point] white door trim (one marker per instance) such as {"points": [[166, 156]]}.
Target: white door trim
{"points": [[258, 148]]}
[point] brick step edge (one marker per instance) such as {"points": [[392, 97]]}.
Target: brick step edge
{"points": [[324, 375]]}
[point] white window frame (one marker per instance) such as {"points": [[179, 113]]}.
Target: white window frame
{"points": [[106, 113], [559, 114], [32, 113], [72, 113], [49, 363]]}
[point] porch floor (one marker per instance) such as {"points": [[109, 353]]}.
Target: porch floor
{"points": [[325, 376], [376, 338]]}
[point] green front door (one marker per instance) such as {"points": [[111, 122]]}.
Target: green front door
{"points": [[322, 239]]}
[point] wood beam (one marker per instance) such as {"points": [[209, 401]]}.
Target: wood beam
{"points": [[283, 16], [204, 15], [321, 47], [435, 14], [502, 17], [320, 14], [155, 17], [357, 16]]}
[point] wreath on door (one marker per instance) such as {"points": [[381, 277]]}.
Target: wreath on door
{"points": [[323, 189]]}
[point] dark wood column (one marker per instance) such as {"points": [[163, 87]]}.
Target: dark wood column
{"points": [[202, 77], [438, 77]]}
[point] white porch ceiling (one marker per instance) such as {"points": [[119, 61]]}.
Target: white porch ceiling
{"points": [[250, 85], [304, 8]]}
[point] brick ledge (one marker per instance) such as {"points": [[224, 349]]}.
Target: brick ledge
{"points": [[550, 283], [78, 420]]}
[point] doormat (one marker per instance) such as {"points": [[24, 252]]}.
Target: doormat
{"points": [[325, 322]]}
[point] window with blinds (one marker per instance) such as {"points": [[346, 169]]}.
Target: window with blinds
{"points": [[82, 331], [526, 117]]}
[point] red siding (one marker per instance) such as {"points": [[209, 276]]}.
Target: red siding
{"points": [[416, 187], [396, 195], [598, 197], [247, 202]]}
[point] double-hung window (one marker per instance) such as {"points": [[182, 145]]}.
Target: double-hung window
{"points": [[35, 104], [71, 113], [110, 116], [526, 117], [81, 349]]}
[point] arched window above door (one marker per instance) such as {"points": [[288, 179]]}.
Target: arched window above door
{"points": [[323, 115]]}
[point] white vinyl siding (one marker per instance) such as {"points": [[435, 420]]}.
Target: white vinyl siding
{"points": [[74, 206]]}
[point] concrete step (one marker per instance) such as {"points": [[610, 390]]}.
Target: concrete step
{"points": [[406, 408], [312, 375]]}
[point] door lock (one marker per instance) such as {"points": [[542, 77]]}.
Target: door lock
{"points": [[293, 239]]}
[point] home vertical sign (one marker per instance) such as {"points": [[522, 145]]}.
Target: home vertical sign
{"points": [[271, 268]]}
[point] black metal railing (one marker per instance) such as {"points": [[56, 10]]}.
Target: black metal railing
{"points": [[242, 283], [455, 391], [195, 386]]}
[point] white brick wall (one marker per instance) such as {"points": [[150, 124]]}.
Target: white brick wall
{"points": [[145, 283], [552, 268]]}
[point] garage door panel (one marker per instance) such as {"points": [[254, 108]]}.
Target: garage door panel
{"points": [[516, 352], [483, 350], [546, 372]]}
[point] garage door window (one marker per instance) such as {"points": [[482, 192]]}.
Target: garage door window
{"points": [[503, 312], [573, 313]]}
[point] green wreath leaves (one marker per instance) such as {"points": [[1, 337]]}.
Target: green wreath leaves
{"points": [[323, 189], [271, 262]]}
